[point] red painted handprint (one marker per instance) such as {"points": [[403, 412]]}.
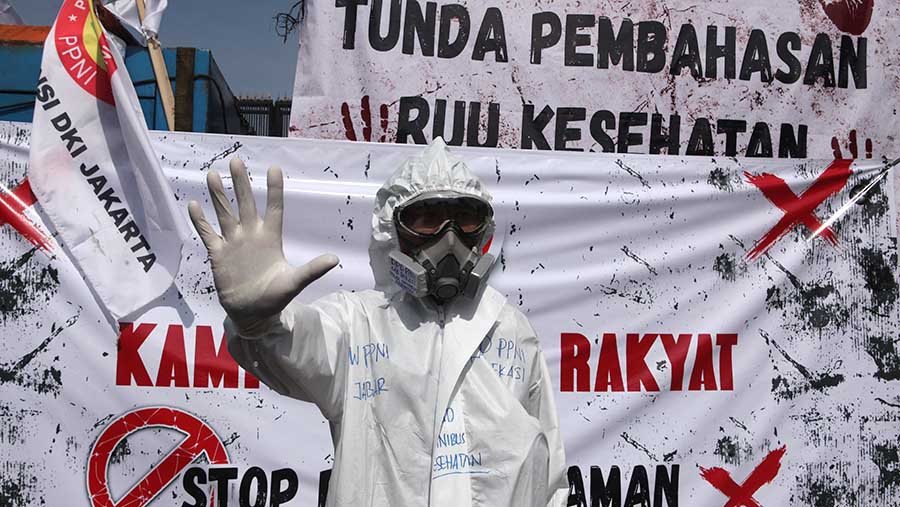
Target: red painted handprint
{"points": [[366, 112], [854, 147], [851, 16]]}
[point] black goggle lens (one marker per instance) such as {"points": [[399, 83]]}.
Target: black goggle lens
{"points": [[429, 216]]}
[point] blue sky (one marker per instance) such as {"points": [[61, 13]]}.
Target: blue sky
{"points": [[240, 34]]}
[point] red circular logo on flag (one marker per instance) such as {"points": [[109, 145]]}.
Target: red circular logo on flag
{"points": [[199, 440], [83, 49]]}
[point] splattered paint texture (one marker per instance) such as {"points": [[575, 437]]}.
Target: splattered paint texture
{"points": [[695, 357]]}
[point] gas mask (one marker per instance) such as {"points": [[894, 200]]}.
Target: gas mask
{"points": [[442, 240]]}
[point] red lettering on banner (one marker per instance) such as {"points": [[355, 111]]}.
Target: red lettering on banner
{"points": [[676, 351], [212, 367], [641, 353], [250, 382], [575, 351], [635, 364], [608, 368], [703, 377], [128, 362], [725, 342], [173, 365]]}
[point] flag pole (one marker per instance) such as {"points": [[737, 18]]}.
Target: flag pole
{"points": [[162, 74]]}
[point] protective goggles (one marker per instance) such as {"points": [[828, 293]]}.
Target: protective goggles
{"points": [[429, 215]]}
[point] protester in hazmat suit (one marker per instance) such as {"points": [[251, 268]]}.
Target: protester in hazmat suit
{"points": [[435, 387]]}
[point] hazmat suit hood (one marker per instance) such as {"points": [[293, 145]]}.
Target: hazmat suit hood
{"points": [[434, 170]]}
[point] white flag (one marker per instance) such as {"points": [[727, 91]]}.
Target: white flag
{"points": [[8, 14], [93, 170], [127, 12]]}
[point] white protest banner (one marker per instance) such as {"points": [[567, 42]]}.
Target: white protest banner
{"points": [[694, 362], [759, 79], [94, 171]]}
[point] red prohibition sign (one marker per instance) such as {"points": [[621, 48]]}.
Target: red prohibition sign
{"points": [[199, 440]]}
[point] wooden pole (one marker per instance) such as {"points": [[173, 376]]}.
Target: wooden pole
{"points": [[162, 74]]}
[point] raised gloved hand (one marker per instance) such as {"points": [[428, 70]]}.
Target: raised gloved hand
{"points": [[253, 279]]}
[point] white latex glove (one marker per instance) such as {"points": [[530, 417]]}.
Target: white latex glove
{"points": [[252, 277]]}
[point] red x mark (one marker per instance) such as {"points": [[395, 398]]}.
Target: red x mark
{"points": [[12, 212], [742, 495], [800, 209]]}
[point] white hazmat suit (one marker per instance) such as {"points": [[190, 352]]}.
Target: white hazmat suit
{"points": [[429, 405]]}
